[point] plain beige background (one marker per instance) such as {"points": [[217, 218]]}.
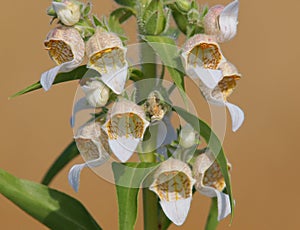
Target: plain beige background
{"points": [[264, 152]]}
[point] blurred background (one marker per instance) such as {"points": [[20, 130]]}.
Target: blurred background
{"points": [[264, 152]]}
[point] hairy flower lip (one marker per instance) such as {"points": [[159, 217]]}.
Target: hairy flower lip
{"points": [[173, 183], [213, 184], [63, 43], [107, 55], [125, 126]]}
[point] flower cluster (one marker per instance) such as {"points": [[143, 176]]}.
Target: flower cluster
{"points": [[124, 123]]}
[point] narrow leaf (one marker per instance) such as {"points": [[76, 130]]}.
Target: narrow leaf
{"points": [[128, 179], [122, 14], [213, 143], [66, 156], [168, 52], [52, 208], [129, 3], [212, 219], [75, 74]]}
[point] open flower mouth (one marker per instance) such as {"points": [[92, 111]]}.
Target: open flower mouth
{"points": [[108, 60], [59, 51], [206, 55], [172, 186], [126, 124], [226, 86], [213, 177]]}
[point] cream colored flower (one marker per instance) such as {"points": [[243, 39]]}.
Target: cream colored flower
{"points": [[93, 146], [223, 90], [202, 57], [68, 11], [125, 126], [187, 136], [66, 49], [210, 182], [96, 93], [222, 21], [106, 55], [173, 183]]}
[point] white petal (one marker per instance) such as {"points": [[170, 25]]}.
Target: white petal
{"points": [[210, 77], [228, 20], [74, 173], [116, 80], [81, 104], [48, 77], [224, 208], [176, 211], [69, 14], [237, 116], [123, 147]]}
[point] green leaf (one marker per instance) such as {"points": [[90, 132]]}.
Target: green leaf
{"points": [[168, 52], [214, 145], [129, 3], [75, 74], [52, 208], [180, 18], [67, 155], [212, 219], [122, 14], [154, 18], [128, 178]]}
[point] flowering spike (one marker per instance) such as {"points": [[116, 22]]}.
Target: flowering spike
{"points": [[66, 49]]}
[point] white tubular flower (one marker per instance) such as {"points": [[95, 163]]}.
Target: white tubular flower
{"points": [[125, 126], [66, 49], [187, 136], [202, 57], [222, 91], [106, 55], [68, 11], [210, 182], [222, 21], [92, 145], [173, 183], [96, 93]]}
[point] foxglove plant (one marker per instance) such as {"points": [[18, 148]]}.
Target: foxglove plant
{"points": [[173, 163]]}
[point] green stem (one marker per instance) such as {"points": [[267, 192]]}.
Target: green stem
{"points": [[150, 200], [212, 219]]}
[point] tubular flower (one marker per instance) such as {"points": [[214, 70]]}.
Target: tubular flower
{"points": [[68, 11], [106, 55], [96, 93], [92, 145], [222, 21], [202, 57], [173, 183], [210, 182], [125, 126], [66, 49], [223, 90]]}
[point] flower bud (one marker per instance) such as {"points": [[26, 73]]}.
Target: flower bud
{"points": [[68, 11], [187, 136], [106, 54], [96, 93]]}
